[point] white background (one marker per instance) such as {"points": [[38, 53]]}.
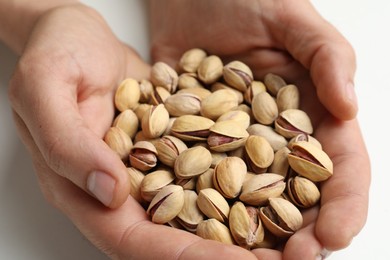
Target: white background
{"points": [[31, 229]]}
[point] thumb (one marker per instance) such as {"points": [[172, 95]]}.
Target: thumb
{"points": [[325, 52], [69, 146]]}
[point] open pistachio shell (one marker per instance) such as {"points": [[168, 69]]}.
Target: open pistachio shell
{"points": [[153, 182], [213, 204], [229, 175], [311, 162], [164, 76], [303, 192], [214, 230], [264, 108], [226, 136], [168, 148], [218, 103], [143, 156], [136, 177], [167, 204], [191, 128], [155, 121], [190, 215], [238, 75], [281, 217], [292, 122], [259, 154], [119, 142]]}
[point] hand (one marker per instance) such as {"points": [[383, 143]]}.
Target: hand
{"points": [[288, 38], [62, 95]]}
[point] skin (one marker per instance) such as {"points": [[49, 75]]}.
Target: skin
{"points": [[62, 92]]}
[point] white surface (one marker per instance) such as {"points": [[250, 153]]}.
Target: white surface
{"points": [[32, 229]]}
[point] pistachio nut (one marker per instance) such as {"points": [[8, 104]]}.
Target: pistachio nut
{"points": [[217, 157], [143, 156], [155, 121], [311, 162], [205, 180], [292, 122], [154, 182], [245, 226], [146, 89], [226, 136], [170, 123], [127, 121], [274, 83], [167, 204], [190, 215], [213, 204], [229, 175], [214, 230], [164, 76], [280, 164], [281, 217], [191, 128], [136, 177], [259, 188], [219, 85], [141, 109], [259, 154], [191, 59], [238, 75], [192, 162], [218, 103], [264, 108], [202, 93], [187, 184], [240, 117], [303, 192], [288, 98], [255, 88], [189, 80], [127, 95], [168, 148], [159, 95], [276, 140], [210, 69], [180, 104], [118, 141]]}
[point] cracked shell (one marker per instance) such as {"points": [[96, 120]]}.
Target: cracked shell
{"points": [[226, 136]]}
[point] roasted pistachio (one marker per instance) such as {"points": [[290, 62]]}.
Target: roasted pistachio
{"points": [[159, 95], [238, 75], [288, 98], [136, 177], [303, 192], [192, 128], [218, 103], [214, 230], [164, 76], [189, 80], [143, 156], [264, 108], [190, 215], [154, 182], [127, 121], [155, 121], [183, 104], [276, 140], [205, 180], [119, 142], [240, 117], [168, 148], [210, 69], [226, 136], [191, 59], [127, 95], [292, 122], [192, 162], [259, 154], [213, 204], [274, 83]]}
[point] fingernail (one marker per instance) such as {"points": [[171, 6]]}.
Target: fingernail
{"points": [[324, 254], [102, 186]]}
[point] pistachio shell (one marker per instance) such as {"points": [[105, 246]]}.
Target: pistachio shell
{"points": [[245, 226], [259, 188], [255, 88], [182, 104], [229, 175], [226, 136], [259, 154], [274, 83], [143, 156], [168, 148], [280, 164], [127, 95], [154, 182], [205, 180], [218, 103], [146, 89], [187, 184], [189, 80], [159, 95], [119, 142], [311, 162], [288, 98], [304, 137], [155, 121], [219, 85], [127, 121], [164, 76], [214, 230], [191, 127], [191, 59], [213, 204], [292, 122], [141, 109], [202, 93], [264, 108], [281, 217], [192, 162], [238, 75], [240, 117], [190, 215], [136, 177], [276, 140], [210, 69], [303, 192], [167, 204]]}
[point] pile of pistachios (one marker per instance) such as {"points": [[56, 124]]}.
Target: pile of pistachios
{"points": [[211, 150]]}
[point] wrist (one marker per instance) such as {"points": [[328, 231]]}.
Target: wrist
{"points": [[18, 18]]}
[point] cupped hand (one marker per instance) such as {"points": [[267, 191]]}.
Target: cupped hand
{"points": [[62, 97], [291, 39]]}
